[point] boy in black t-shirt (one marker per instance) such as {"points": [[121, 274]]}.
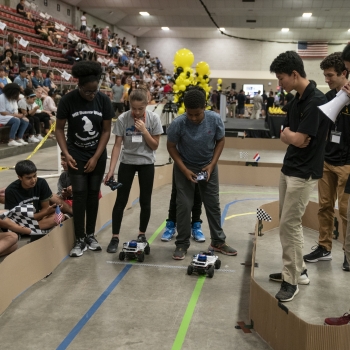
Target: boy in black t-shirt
{"points": [[21, 11], [305, 134], [29, 189]]}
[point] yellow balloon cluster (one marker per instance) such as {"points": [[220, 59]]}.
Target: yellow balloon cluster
{"points": [[219, 84], [185, 76], [276, 110]]}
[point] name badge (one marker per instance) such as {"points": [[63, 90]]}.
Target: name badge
{"points": [[136, 138], [335, 136]]}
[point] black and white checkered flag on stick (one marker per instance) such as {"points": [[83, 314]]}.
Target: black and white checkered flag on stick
{"points": [[262, 215], [23, 215]]}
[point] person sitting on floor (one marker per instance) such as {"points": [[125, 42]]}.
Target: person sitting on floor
{"points": [[30, 189], [8, 240], [2, 195]]}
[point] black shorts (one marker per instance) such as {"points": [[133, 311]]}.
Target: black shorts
{"points": [[82, 27], [118, 106]]}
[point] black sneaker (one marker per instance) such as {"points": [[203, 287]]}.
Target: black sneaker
{"points": [[92, 243], [179, 253], [142, 238], [303, 278], [79, 248], [346, 266], [113, 245], [287, 292], [319, 253]]}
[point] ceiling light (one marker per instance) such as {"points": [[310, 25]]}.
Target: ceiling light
{"points": [[285, 29], [144, 13], [348, 30], [307, 14], [165, 28], [222, 29]]}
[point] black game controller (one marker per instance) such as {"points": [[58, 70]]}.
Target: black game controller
{"points": [[203, 175], [114, 185]]}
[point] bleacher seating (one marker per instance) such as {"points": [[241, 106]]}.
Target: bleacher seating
{"points": [[20, 26]]}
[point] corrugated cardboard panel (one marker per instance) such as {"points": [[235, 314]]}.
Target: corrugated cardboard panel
{"points": [[248, 175], [255, 143], [327, 337]]}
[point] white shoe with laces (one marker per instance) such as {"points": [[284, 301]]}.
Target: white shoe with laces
{"points": [[22, 142], [14, 143], [33, 139], [39, 137]]}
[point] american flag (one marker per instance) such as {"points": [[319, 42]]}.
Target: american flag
{"points": [[58, 215], [312, 49]]}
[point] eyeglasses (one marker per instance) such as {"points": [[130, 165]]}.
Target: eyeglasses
{"points": [[88, 93]]}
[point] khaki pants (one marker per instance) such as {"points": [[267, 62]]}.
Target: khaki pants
{"points": [[232, 109], [330, 187], [294, 194], [347, 237], [255, 114]]}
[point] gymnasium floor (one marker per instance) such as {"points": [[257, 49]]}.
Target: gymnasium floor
{"points": [[96, 301]]}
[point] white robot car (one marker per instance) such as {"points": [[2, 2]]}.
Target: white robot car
{"points": [[135, 250], [204, 263]]}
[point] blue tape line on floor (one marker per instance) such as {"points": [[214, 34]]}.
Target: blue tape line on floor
{"points": [[74, 332]]}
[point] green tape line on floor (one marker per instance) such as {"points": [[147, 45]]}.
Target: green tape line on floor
{"points": [[157, 232], [185, 323]]}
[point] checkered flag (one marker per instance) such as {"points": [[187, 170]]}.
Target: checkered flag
{"points": [[23, 215], [243, 155], [262, 215]]}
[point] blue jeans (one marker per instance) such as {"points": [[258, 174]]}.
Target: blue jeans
{"points": [[18, 127]]}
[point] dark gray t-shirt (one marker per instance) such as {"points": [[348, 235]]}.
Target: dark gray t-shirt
{"points": [[135, 149], [196, 142], [117, 93]]}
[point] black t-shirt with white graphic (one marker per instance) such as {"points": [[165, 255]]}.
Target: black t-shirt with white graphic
{"points": [[85, 122], [15, 194]]}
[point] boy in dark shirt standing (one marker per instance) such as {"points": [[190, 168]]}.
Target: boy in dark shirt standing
{"points": [[305, 134], [336, 168]]}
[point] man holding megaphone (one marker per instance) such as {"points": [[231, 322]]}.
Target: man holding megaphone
{"points": [[336, 167]]}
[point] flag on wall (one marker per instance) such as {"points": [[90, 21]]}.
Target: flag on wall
{"points": [[312, 49]]}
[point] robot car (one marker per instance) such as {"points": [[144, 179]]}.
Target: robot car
{"points": [[135, 250], [204, 263]]}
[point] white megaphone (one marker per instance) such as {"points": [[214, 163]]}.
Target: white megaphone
{"points": [[332, 108]]}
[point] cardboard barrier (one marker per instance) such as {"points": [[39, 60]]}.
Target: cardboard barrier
{"points": [[255, 144], [274, 322]]}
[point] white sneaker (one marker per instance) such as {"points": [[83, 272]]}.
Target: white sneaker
{"points": [[39, 137], [14, 143], [33, 139], [22, 142]]}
